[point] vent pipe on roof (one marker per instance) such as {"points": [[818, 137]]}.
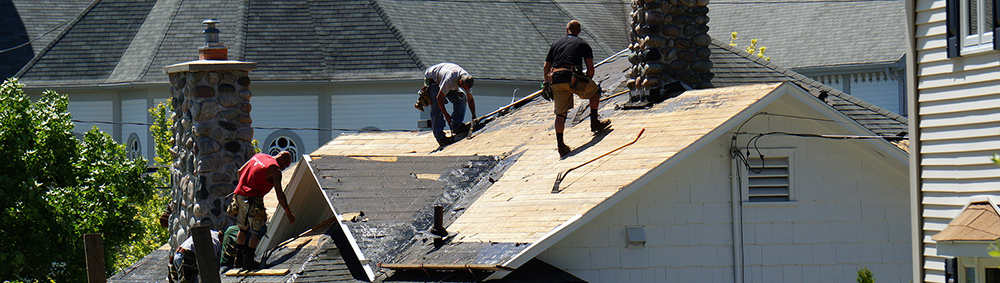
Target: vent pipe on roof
{"points": [[213, 49], [438, 229], [670, 48]]}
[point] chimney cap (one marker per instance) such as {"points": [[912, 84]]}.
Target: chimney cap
{"points": [[210, 21]]}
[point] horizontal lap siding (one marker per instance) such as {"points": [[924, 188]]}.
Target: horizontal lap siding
{"points": [[287, 111], [382, 111], [959, 106], [134, 111], [99, 110], [884, 93]]}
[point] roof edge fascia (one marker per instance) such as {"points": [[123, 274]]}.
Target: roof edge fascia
{"points": [[69, 25], [825, 109], [340, 221], [565, 229], [849, 68]]}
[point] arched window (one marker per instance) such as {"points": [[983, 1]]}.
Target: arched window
{"points": [[133, 148], [284, 140]]}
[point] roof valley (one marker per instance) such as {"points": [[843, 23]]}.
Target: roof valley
{"points": [[141, 50]]}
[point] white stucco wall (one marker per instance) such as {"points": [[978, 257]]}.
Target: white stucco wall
{"points": [[850, 210]]}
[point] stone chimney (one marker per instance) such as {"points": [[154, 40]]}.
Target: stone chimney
{"points": [[212, 134], [670, 48]]}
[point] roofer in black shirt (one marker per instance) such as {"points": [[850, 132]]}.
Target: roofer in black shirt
{"points": [[563, 71]]}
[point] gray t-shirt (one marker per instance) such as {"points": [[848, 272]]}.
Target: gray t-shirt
{"points": [[188, 244], [446, 75]]}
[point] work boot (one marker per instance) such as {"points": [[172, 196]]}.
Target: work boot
{"points": [[564, 150], [249, 263], [599, 125], [238, 261], [445, 141]]}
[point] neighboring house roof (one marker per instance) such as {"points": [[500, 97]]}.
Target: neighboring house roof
{"points": [[130, 41], [734, 67], [806, 34], [978, 222], [33, 24]]}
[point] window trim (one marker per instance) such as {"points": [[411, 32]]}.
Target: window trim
{"points": [[979, 264], [744, 174], [957, 26], [984, 38]]}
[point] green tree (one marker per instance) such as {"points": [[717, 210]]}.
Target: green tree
{"points": [[56, 188], [865, 275]]}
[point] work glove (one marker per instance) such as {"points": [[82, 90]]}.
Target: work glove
{"points": [[546, 91]]}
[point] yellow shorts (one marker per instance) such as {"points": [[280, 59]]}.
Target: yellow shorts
{"points": [[562, 94]]}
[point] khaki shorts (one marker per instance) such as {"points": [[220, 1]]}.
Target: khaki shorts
{"points": [[562, 94], [249, 212]]}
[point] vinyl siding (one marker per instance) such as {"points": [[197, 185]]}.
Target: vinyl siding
{"points": [[287, 111], [92, 110], [134, 111], [850, 210], [959, 106]]}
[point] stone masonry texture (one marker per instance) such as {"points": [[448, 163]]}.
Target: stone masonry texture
{"points": [[211, 122]]}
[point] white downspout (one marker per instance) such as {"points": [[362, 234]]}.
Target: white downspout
{"points": [[737, 200]]}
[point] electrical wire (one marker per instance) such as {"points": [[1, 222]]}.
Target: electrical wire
{"points": [[258, 128], [37, 37]]}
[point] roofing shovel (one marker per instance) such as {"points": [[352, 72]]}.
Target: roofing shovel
{"points": [[562, 175]]}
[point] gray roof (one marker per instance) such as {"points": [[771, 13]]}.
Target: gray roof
{"points": [[34, 23], [127, 41], [804, 33]]}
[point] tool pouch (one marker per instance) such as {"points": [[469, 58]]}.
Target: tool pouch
{"points": [[578, 76], [547, 91], [423, 99]]}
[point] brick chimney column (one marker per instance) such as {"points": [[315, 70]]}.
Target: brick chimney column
{"points": [[670, 43], [212, 139]]}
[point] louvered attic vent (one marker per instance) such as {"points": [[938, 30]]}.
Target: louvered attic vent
{"points": [[771, 183]]}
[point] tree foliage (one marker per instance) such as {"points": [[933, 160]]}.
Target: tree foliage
{"points": [[55, 188]]}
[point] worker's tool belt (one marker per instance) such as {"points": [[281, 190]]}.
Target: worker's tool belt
{"points": [[423, 95], [571, 75]]}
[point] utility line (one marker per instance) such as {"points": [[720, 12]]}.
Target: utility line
{"points": [[257, 128], [38, 37]]}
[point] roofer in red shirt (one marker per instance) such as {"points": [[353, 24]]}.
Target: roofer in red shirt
{"points": [[257, 177]]}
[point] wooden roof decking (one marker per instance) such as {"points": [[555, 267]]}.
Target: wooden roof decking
{"points": [[520, 206]]}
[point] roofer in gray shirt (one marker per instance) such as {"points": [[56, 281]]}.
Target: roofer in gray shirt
{"points": [[442, 82]]}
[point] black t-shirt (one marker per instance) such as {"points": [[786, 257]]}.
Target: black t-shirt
{"points": [[569, 51]]}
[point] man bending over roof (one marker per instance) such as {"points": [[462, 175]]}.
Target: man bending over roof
{"points": [[443, 81], [257, 177], [563, 71]]}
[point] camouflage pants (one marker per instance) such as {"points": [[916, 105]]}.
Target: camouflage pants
{"points": [[249, 212]]}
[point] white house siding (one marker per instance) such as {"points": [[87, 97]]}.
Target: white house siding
{"points": [[382, 111], [286, 111], [135, 111], [91, 108], [882, 93], [958, 104], [850, 210]]}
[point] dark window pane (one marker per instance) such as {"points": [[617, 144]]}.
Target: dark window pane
{"points": [[973, 19], [992, 275]]}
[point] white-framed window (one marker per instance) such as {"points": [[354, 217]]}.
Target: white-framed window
{"points": [[284, 140], [971, 26], [767, 179], [979, 270], [977, 25], [133, 148]]}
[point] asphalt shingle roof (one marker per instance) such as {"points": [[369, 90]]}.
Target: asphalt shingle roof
{"points": [[90, 49], [804, 33], [312, 40], [39, 20]]}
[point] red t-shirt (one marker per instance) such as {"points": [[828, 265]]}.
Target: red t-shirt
{"points": [[253, 178]]}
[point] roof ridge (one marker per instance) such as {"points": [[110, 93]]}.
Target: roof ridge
{"points": [[76, 19], [811, 82], [387, 19]]}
